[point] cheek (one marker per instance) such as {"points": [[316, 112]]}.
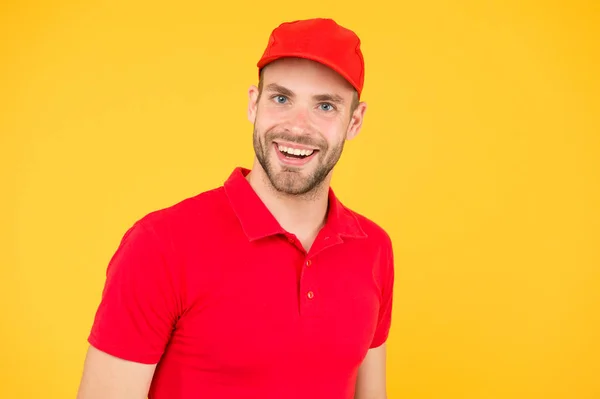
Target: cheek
{"points": [[268, 118], [333, 130], [269, 110]]}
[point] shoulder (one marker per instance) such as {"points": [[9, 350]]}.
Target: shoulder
{"points": [[375, 233], [188, 212], [384, 264], [169, 227], [375, 239], [373, 229], [378, 242]]}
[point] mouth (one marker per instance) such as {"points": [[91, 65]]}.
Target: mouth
{"points": [[293, 154]]}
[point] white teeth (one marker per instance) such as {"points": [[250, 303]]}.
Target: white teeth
{"points": [[295, 151]]}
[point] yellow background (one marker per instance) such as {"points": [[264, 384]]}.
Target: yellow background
{"points": [[486, 117]]}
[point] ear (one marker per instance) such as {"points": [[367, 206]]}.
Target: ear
{"points": [[356, 121], [252, 103]]}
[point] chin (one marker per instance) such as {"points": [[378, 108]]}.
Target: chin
{"points": [[292, 181]]}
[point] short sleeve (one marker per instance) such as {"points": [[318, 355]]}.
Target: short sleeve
{"points": [[139, 304], [386, 279]]}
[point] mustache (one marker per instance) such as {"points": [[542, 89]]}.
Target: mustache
{"points": [[308, 140]]}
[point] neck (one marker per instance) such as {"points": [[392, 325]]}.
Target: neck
{"points": [[301, 215]]}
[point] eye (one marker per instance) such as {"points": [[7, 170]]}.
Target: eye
{"points": [[327, 107], [280, 99]]}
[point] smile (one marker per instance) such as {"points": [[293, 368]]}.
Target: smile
{"points": [[293, 155], [294, 152]]}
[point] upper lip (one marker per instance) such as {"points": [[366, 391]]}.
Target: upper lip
{"points": [[295, 145]]}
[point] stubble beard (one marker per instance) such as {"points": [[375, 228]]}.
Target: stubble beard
{"points": [[290, 180]]}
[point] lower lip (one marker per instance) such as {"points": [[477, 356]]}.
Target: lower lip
{"points": [[293, 161]]}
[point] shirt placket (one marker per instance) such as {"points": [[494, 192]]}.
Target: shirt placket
{"points": [[310, 293]]}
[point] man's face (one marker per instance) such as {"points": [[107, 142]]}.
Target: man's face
{"points": [[302, 117]]}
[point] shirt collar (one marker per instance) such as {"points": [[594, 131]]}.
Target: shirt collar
{"points": [[258, 222]]}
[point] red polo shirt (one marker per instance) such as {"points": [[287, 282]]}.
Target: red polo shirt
{"points": [[230, 305]]}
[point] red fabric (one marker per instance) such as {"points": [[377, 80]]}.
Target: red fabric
{"points": [[321, 40], [208, 288]]}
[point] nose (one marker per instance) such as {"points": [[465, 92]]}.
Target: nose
{"points": [[299, 120]]}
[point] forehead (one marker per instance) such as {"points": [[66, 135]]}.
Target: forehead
{"points": [[299, 74]]}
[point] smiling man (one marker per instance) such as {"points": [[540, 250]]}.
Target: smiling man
{"points": [[267, 287]]}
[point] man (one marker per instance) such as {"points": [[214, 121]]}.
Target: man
{"points": [[266, 287]]}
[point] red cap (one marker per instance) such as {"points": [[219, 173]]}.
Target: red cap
{"points": [[321, 40]]}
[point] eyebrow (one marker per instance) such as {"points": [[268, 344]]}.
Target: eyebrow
{"points": [[334, 98], [279, 89]]}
